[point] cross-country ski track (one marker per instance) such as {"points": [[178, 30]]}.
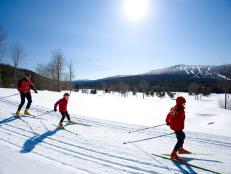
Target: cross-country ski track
{"points": [[98, 148]]}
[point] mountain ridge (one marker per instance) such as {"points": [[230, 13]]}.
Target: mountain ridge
{"points": [[175, 69], [175, 78]]}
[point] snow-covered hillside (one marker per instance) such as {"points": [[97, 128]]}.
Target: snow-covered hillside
{"points": [[187, 69], [40, 147], [209, 71]]}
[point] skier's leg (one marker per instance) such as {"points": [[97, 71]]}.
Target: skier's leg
{"points": [[69, 119], [29, 99], [183, 137], [68, 116], [22, 96], [63, 117], [182, 150], [180, 140]]}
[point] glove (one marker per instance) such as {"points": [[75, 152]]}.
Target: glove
{"points": [[55, 109], [36, 91]]}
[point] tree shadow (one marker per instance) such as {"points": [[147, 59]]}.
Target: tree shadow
{"points": [[185, 169], [7, 120], [31, 143]]}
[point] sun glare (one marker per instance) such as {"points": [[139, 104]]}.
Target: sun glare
{"points": [[135, 10]]}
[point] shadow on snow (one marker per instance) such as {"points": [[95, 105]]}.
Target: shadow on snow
{"points": [[7, 120], [185, 169], [31, 143]]}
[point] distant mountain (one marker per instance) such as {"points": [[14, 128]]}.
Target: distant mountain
{"points": [[107, 78], [197, 71], [183, 69], [176, 77]]}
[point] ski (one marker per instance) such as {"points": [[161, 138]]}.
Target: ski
{"points": [[77, 123], [64, 129], [25, 116], [20, 118], [186, 163], [201, 154]]}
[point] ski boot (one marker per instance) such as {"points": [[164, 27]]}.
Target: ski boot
{"points": [[26, 112], [71, 122], [183, 151], [17, 114], [175, 157], [61, 126]]}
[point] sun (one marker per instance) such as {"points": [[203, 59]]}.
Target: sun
{"points": [[135, 10]]}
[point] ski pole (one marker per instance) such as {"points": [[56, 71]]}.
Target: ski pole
{"points": [[138, 130], [47, 112], [129, 142], [9, 96]]}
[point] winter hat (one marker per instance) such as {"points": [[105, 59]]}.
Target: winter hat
{"points": [[66, 94], [180, 100]]}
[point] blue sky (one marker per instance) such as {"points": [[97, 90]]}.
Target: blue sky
{"points": [[102, 42]]}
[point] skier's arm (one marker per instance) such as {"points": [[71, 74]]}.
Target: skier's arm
{"points": [[33, 87], [55, 106], [19, 85], [168, 119]]}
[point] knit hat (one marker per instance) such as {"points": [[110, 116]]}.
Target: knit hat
{"points": [[180, 100]]}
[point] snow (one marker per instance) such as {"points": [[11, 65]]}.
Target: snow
{"points": [[11, 156], [186, 71], [99, 149], [199, 70], [223, 77], [196, 70]]}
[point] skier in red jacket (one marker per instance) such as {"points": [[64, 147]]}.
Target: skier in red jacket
{"points": [[63, 109], [175, 119], [24, 86]]}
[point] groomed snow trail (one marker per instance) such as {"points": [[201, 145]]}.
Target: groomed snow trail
{"points": [[98, 149]]}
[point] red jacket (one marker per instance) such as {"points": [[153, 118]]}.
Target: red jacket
{"points": [[62, 105], [175, 118], [25, 85]]}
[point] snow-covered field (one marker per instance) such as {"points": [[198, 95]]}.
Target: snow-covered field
{"points": [[40, 147]]}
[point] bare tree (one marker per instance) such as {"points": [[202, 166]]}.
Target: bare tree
{"points": [[16, 55], [2, 50], [194, 89], [123, 88], [43, 70], [58, 66], [143, 86], [227, 73], [71, 74]]}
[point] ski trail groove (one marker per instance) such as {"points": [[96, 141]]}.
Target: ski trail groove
{"points": [[127, 129], [131, 167]]}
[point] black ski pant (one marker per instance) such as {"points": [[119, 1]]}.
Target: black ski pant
{"points": [[64, 115], [25, 95], [180, 135]]}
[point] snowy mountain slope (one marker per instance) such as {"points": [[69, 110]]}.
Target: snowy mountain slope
{"points": [[173, 78], [99, 148], [209, 71], [186, 69]]}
